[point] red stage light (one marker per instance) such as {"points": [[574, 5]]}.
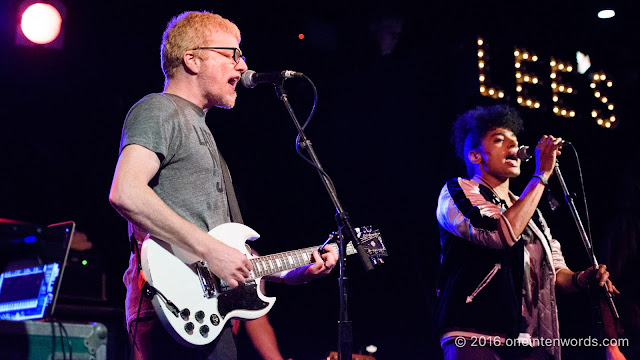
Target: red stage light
{"points": [[41, 23]]}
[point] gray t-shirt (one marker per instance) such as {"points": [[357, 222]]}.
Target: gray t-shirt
{"points": [[190, 178]]}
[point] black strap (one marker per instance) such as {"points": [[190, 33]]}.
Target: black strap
{"points": [[234, 209]]}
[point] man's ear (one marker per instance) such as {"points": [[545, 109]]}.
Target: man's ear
{"points": [[474, 157], [191, 62]]}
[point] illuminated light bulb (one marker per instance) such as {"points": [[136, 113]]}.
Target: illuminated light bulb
{"points": [[606, 14], [594, 113], [491, 91], [596, 77], [603, 77], [555, 109], [561, 88], [552, 63], [41, 23], [612, 118], [563, 112], [596, 94], [604, 99], [480, 53], [482, 89], [517, 65], [481, 78], [480, 41], [609, 84], [534, 80], [553, 75], [555, 98], [526, 78], [592, 85], [501, 94], [569, 68], [518, 75], [516, 53], [569, 90], [554, 85], [610, 107], [536, 105], [481, 64], [560, 66], [607, 124], [599, 121], [525, 55], [529, 102], [519, 100], [518, 88], [534, 58], [572, 113]]}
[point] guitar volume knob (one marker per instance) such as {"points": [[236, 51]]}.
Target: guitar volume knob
{"points": [[204, 330], [199, 316], [188, 327], [215, 320], [184, 314]]}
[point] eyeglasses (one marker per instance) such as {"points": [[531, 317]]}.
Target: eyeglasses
{"points": [[237, 53]]}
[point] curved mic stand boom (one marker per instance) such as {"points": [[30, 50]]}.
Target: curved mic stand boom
{"points": [[347, 232], [583, 234]]}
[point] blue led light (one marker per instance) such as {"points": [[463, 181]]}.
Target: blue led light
{"points": [[30, 239]]}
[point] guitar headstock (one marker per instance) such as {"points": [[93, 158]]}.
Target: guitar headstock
{"points": [[371, 242]]}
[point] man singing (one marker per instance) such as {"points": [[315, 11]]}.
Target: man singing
{"points": [[169, 179]]}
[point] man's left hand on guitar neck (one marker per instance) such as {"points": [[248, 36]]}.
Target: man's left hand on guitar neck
{"points": [[321, 266]]}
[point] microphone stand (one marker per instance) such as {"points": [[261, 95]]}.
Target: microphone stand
{"points": [[346, 232], [583, 234]]}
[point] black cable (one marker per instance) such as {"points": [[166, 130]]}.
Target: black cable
{"points": [[66, 335], [64, 353], [53, 338], [584, 194], [298, 150]]}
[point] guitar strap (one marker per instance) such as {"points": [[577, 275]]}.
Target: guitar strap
{"points": [[234, 209]]}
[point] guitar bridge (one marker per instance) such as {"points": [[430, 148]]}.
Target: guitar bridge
{"points": [[207, 280]]}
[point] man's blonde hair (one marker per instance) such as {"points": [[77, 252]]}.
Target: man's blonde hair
{"points": [[188, 31]]}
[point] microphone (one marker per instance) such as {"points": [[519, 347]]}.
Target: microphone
{"points": [[525, 153], [251, 78]]}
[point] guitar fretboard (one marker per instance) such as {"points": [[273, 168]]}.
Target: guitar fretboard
{"points": [[275, 263]]}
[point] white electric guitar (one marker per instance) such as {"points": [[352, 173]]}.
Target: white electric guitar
{"points": [[194, 305]]}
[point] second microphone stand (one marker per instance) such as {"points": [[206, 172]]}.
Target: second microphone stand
{"points": [[346, 230], [583, 234]]}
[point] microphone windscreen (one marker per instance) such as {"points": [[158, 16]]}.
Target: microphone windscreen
{"points": [[524, 153], [247, 79]]}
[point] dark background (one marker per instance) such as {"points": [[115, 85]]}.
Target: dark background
{"points": [[381, 130]]}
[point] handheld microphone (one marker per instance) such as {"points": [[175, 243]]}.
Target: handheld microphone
{"points": [[251, 78], [525, 153]]}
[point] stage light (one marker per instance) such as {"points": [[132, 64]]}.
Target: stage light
{"points": [[606, 14], [41, 23]]}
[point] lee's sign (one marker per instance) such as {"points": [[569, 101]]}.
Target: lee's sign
{"points": [[528, 74]]}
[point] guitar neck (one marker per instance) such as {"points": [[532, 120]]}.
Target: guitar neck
{"points": [[275, 263]]}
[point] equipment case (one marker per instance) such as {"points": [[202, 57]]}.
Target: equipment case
{"points": [[37, 340]]}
